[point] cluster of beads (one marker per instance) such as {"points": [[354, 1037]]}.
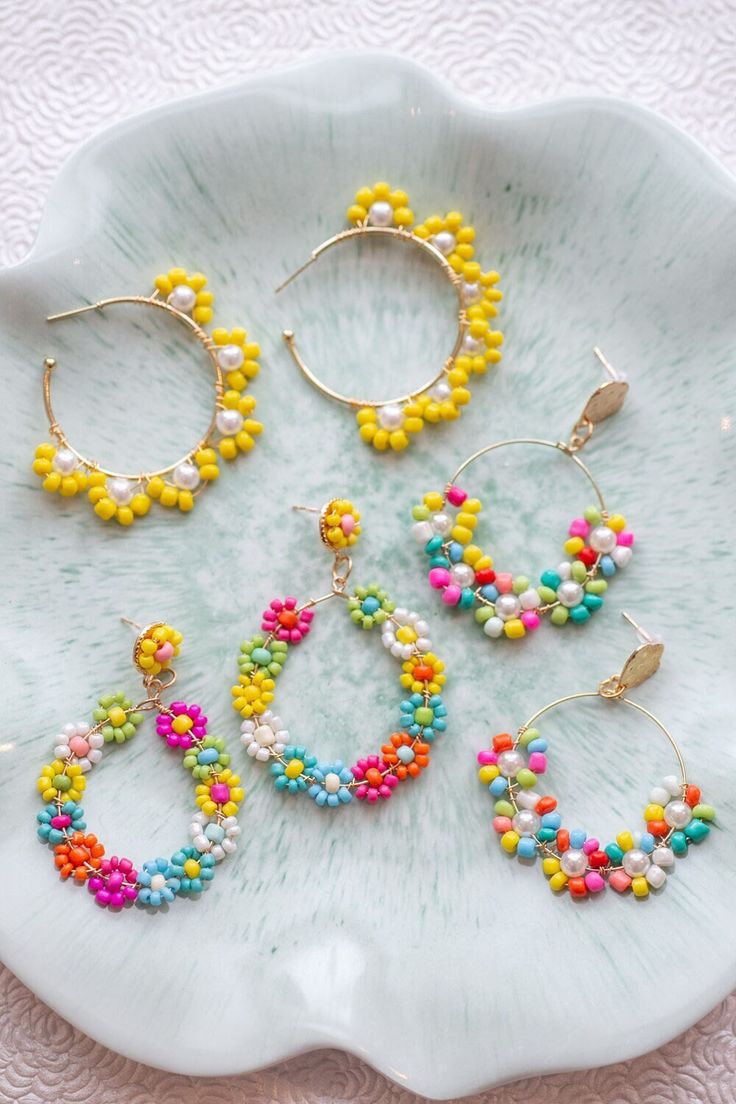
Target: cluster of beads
{"points": [[235, 429], [422, 714], [528, 825], [340, 524], [505, 604], [78, 854], [390, 425]]}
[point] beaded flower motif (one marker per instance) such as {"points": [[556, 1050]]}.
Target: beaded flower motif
{"points": [[391, 425]]}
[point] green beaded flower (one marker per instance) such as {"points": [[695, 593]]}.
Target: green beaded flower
{"points": [[254, 653], [114, 715], [370, 606], [209, 755]]}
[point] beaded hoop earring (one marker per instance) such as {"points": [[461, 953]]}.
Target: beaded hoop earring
{"points": [[234, 361], [389, 423], [422, 714], [506, 604], [214, 830], [528, 823]]}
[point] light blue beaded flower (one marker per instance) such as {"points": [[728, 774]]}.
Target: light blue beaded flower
{"points": [[183, 864], [70, 812], [422, 718], [330, 786], [289, 775], [159, 882]]}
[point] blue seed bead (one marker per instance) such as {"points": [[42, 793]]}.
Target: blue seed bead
{"points": [[550, 579], [678, 843], [467, 599], [370, 604], [439, 561], [261, 656], [552, 820], [526, 848], [539, 744], [498, 786], [593, 601], [577, 838], [433, 545], [647, 842], [579, 614], [607, 566], [490, 592], [455, 552], [344, 795], [697, 830], [546, 835], [614, 853], [208, 755], [405, 754]]}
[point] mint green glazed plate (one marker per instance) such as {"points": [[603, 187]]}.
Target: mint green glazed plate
{"points": [[400, 933]]}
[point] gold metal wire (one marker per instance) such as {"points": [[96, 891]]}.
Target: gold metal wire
{"points": [[401, 235], [202, 336]]}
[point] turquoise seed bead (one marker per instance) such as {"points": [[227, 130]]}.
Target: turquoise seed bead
{"points": [[370, 604], [696, 830], [433, 545], [615, 854], [678, 843], [260, 655], [579, 614], [592, 601], [546, 835], [439, 561], [467, 599], [550, 579]]}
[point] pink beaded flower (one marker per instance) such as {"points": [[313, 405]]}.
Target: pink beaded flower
{"points": [[369, 772], [285, 621], [114, 883], [181, 724]]}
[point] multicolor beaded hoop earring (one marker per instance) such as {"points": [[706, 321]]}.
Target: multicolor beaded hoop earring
{"points": [[422, 715], [214, 830], [389, 423], [506, 604], [234, 361], [528, 823]]}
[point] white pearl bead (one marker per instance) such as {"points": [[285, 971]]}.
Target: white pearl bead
{"points": [[526, 822], [472, 345], [663, 856], [229, 422], [677, 814], [442, 524], [64, 462], [510, 762], [332, 782], [440, 392], [183, 298], [391, 416], [527, 799], [186, 476], [659, 796], [471, 293], [264, 735], [444, 241], [602, 539], [656, 876], [574, 862], [507, 606], [422, 531], [621, 555], [672, 784], [120, 490], [635, 862], [230, 357], [380, 213], [529, 599], [462, 574], [158, 881], [570, 593], [493, 627]]}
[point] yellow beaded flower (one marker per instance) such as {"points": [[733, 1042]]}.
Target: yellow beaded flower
{"points": [[339, 524], [420, 672], [64, 781], [221, 793], [390, 425], [254, 692], [156, 649], [234, 429]]}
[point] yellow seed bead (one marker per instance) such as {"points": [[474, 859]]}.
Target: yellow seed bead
{"points": [[97, 479], [197, 281], [403, 216], [356, 213], [433, 500], [558, 881], [654, 812], [46, 451], [105, 508], [80, 478], [488, 279], [472, 554], [68, 486], [466, 234], [456, 263], [457, 377], [364, 197], [617, 523], [250, 368], [205, 298], [574, 545], [478, 327], [625, 840], [448, 411], [398, 198], [208, 472], [471, 271], [483, 564], [413, 425], [406, 634], [487, 773], [460, 396], [453, 220], [640, 887], [178, 275], [230, 808], [205, 456], [124, 515], [468, 520], [231, 400], [381, 190], [494, 338], [208, 806], [465, 252], [169, 495], [434, 224], [365, 415], [236, 380], [432, 412], [42, 466], [192, 868], [380, 439], [253, 427], [203, 315], [52, 482], [294, 768], [509, 841], [117, 716], [493, 356], [461, 534], [368, 431], [228, 448], [186, 501], [155, 486], [140, 504], [164, 285], [148, 646], [398, 440], [472, 506], [550, 866], [181, 724], [514, 628], [244, 441]]}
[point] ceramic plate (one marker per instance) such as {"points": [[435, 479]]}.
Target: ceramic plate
{"points": [[401, 933]]}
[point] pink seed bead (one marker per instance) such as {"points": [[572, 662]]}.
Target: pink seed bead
{"points": [[347, 524], [625, 538], [165, 652], [103, 896], [594, 882], [451, 594], [485, 757], [579, 528], [178, 707], [220, 793], [307, 615], [619, 880], [590, 846], [456, 495], [115, 881], [502, 824], [79, 746], [538, 762], [116, 900], [530, 620], [61, 821], [504, 582], [95, 884], [361, 792], [295, 635], [439, 577], [384, 790], [372, 795]]}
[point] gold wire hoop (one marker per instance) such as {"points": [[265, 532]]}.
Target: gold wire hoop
{"points": [[402, 235], [201, 335]]}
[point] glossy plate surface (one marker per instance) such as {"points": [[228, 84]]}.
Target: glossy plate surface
{"points": [[400, 933]]}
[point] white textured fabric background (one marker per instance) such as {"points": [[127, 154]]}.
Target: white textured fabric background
{"points": [[68, 68]]}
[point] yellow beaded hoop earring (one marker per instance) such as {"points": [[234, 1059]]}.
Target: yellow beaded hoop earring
{"points": [[232, 429], [448, 240]]}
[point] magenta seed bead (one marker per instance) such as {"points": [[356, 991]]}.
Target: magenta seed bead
{"points": [[530, 620], [590, 846], [594, 882], [439, 577], [538, 762], [451, 594], [579, 528], [456, 495], [485, 757], [625, 538]]}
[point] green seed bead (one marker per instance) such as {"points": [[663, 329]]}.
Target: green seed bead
{"points": [[504, 808], [62, 782], [547, 595], [527, 737], [368, 622], [559, 615], [424, 715], [483, 614], [704, 812], [520, 584], [420, 513], [596, 586], [107, 701], [578, 571], [136, 719], [128, 730], [526, 778], [592, 515], [356, 615]]}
